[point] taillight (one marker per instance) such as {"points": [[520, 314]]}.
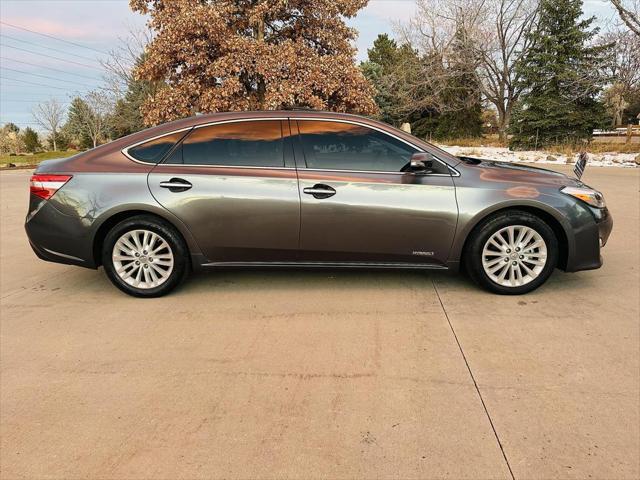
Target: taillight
{"points": [[45, 186]]}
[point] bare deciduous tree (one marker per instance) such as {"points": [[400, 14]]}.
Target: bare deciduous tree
{"points": [[501, 38], [122, 59], [49, 115], [94, 116], [432, 32], [629, 12], [495, 38], [623, 69]]}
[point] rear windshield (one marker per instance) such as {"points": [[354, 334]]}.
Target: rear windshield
{"points": [[155, 150]]}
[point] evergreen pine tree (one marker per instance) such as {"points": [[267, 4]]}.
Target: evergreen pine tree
{"points": [[562, 78], [394, 70], [31, 140], [461, 100], [127, 114], [382, 69], [75, 130]]}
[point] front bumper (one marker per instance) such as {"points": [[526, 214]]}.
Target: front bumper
{"points": [[588, 240], [604, 220]]}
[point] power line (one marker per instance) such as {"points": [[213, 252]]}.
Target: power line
{"points": [[49, 68], [51, 56], [53, 37], [46, 76], [30, 100], [30, 93], [12, 100], [43, 46], [33, 83], [18, 122]]}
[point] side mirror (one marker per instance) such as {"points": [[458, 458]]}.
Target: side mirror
{"points": [[421, 162]]}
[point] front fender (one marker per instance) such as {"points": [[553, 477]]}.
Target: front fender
{"points": [[475, 205]]}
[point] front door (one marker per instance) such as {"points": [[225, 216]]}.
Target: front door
{"points": [[232, 185], [357, 205]]}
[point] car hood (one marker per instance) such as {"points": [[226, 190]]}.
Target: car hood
{"points": [[515, 173]]}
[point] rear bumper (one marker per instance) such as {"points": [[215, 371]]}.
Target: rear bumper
{"points": [[588, 241], [44, 253], [58, 238]]}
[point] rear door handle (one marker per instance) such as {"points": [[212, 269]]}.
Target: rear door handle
{"points": [[176, 185], [320, 191]]}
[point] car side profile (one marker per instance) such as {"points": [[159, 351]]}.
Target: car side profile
{"points": [[308, 189]]}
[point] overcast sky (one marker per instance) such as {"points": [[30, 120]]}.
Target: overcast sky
{"points": [[36, 67]]}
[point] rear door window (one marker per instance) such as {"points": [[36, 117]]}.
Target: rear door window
{"points": [[243, 144]]}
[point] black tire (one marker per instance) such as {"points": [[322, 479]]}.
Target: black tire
{"points": [[181, 262], [487, 228]]}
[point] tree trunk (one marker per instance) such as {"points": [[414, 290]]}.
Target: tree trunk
{"points": [[503, 124], [260, 30], [261, 88], [55, 145]]}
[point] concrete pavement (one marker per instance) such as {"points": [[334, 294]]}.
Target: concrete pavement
{"points": [[316, 374]]}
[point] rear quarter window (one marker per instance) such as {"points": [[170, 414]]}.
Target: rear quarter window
{"points": [[155, 150]]}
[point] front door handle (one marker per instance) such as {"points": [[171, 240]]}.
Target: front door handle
{"points": [[176, 185], [320, 191]]}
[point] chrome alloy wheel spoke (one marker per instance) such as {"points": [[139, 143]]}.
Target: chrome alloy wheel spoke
{"points": [[143, 259], [514, 256]]}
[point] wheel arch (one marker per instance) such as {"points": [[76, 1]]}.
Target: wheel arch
{"points": [[112, 218], [554, 220]]}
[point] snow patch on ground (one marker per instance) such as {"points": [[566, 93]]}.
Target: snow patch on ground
{"points": [[502, 154]]}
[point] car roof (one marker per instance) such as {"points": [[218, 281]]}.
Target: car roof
{"points": [[200, 119]]}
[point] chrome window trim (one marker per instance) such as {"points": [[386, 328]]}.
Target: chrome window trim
{"points": [[454, 172], [195, 165], [125, 150], [237, 120], [384, 172]]}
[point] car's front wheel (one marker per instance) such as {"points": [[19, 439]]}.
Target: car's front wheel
{"points": [[145, 256], [512, 252]]}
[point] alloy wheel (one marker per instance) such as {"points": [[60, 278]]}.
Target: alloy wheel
{"points": [[514, 256], [142, 259]]}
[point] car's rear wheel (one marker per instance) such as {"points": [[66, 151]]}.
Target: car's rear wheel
{"points": [[512, 253], [145, 256]]}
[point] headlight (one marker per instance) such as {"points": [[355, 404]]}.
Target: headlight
{"points": [[587, 195]]}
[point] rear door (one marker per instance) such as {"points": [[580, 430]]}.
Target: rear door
{"points": [[358, 206], [235, 187]]}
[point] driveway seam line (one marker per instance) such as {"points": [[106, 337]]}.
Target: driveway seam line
{"points": [[475, 384]]}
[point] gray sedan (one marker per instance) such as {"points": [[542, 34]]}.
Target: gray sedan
{"points": [[306, 189]]}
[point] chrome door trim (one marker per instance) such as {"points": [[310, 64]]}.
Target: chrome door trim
{"points": [[419, 266], [455, 172], [170, 184]]}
